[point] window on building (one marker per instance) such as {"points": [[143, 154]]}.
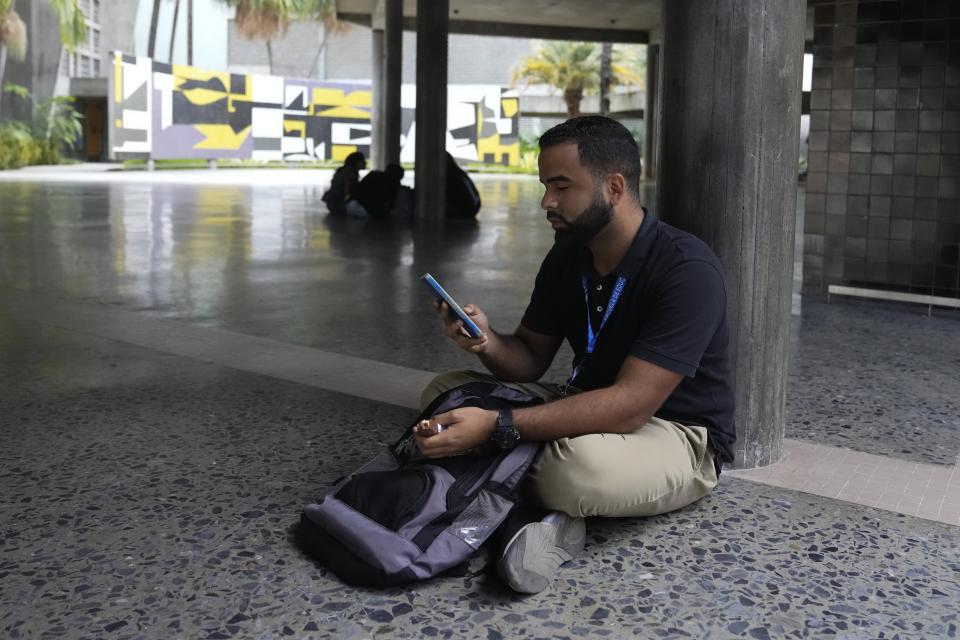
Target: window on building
{"points": [[85, 62]]}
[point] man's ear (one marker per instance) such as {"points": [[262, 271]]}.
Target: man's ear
{"points": [[616, 186]]}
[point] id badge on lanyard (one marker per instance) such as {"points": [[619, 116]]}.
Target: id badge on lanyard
{"points": [[591, 336]]}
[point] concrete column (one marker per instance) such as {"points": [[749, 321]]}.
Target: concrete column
{"points": [[433, 21], [376, 110], [651, 113], [393, 78], [729, 143]]}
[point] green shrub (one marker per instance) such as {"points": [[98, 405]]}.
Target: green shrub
{"points": [[55, 124], [17, 146], [529, 143]]}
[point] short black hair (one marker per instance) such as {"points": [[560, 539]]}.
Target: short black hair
{"points": [[355, 158], [394, 172], [604, 146]]}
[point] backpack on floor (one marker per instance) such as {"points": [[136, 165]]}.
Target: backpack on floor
{"points": [[402, 517]]}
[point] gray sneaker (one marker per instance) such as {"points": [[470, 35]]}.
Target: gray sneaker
{"points": [[531, 558]]}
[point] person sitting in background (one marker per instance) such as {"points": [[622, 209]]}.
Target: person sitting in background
{"points": [[379, 191], [463, 199], [343, 187]]}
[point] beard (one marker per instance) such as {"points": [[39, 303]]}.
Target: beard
{"points": [[588, 224]]}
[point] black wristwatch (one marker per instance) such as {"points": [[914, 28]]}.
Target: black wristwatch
{"points": [[505, 435]]}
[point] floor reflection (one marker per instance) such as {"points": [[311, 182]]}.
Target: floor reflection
{"points": [[265, 260]]}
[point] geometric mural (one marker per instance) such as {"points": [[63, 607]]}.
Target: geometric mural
{"points": [[482, 123], [161, 111]]}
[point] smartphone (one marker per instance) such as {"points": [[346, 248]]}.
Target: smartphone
{"points": [[469, 325]]}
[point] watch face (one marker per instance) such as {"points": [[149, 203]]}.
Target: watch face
{"points": [[506, 437]]}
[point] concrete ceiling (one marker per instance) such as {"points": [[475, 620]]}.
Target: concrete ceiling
{"points": [[615, 20]]}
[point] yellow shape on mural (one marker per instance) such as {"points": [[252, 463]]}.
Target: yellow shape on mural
{"points": [[118, 77], [220, 136], [510, 106], [491, 145], [342, 105], [203, 97], [339, 152], [295, 125], [345, 112]]}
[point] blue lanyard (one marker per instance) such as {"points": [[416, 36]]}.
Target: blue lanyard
{"points": [[591, 336]]}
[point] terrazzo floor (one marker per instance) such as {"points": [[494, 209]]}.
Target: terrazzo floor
{"points": [[878, 378], [148, 495], [145, 494]]}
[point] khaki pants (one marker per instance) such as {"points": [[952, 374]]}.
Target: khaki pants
{"points": [[660, 467]]}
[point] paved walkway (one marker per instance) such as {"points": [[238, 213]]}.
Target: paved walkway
{"points": [[901, 486]]}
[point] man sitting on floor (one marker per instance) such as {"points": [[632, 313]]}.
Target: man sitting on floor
{"points": [[646, 418]]}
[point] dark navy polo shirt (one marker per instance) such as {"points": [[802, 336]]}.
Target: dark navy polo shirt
{"points": [[672, 312]]}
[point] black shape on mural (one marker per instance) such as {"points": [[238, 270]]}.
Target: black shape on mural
{"points": [[238, 84], [186, 112], [468, 132], [212, 84], [298, 102], [356, 134]]}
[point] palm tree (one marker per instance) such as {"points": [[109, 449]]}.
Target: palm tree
{"points": [[190, 32], [154, 20], [571, 67], [173, 30], [266, 19], [13, 33], [634, 58], [73, 24]]}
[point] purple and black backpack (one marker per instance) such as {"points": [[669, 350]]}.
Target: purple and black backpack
{"points": [[402, 517]]}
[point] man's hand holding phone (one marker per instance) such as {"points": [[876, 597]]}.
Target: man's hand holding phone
{"points": [[467, 326], [454, 329]]}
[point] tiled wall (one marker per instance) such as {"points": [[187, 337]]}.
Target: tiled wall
{"points": [[883, 183]]}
